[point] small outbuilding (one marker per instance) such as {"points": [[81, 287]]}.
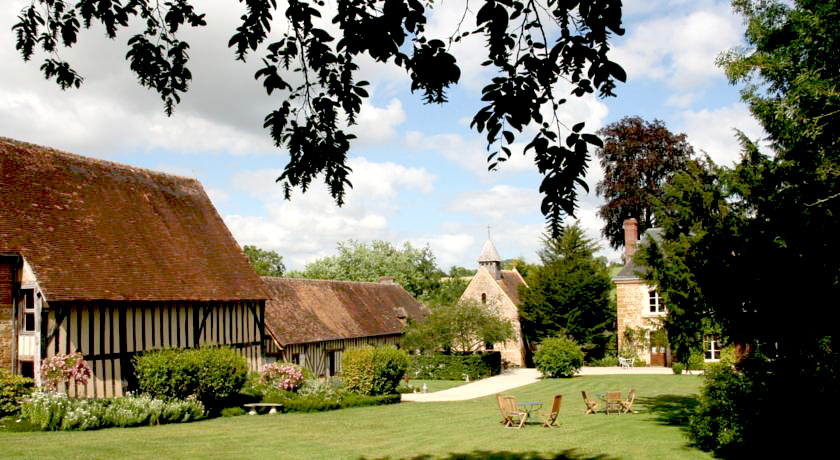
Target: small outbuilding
{"points": [[313, 321]]}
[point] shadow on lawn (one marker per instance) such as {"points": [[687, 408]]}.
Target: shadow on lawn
{"points": [[673, 410], [568, 454]]}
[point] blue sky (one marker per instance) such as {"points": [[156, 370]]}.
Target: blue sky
{"points": [[419, 171]]}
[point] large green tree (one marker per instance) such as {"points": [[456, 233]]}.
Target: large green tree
{"points": [[569, 294], [413, 268], [533, 48], [264, 262], [466, 325], [755, 247], [639, 158]]}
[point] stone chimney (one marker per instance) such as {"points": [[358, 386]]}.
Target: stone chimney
{"points": [[387, 280], [631, 236]]}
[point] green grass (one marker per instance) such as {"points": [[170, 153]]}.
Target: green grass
{"points": [[446, 430]]}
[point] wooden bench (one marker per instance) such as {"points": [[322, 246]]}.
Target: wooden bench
{"points": [[254, 406]]}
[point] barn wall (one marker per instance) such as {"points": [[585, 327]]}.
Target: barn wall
{"points": [[315, 356], [109, 334], [7, 313]]}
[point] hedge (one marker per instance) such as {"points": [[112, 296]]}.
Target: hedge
{"points": [[455, 366]]}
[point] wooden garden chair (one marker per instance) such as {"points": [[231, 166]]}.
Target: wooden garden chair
{"points": [[591, 404], [510, 414], [550, 418], [614, 402], [627, 405]]}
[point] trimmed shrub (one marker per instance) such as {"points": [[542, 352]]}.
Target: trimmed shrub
{"points": [[717, 423], [13, 389], [357, 369], [210, 375], [389, 364], [696, 362], [559, 357], [606, 361], [373, 371], [455, 366], [678, 368]]}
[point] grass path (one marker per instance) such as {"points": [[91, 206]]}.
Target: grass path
{"points": [[445, 430]]}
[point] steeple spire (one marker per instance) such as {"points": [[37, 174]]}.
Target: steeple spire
{"points": [[490, 259]]}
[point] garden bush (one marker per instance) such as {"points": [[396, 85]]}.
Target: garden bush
{"points": [[678, 368], [13, 389], [456, 366], [373, 371], [696, 362], [717, 423], [559, 357], [606, 361], [211, 375]]}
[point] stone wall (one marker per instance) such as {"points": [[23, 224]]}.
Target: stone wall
{"points": [[7, 320], [631, 301], [513, 351]]}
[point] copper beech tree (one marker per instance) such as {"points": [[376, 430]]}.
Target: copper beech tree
{"points": [[533, 48]]}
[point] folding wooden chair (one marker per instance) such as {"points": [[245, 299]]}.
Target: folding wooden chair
{"points": [[627, 406], [510, 414], [550, 418], [613, 402], [591, 404]]}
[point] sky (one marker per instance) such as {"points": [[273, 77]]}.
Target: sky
{"points": [[419, 172]]}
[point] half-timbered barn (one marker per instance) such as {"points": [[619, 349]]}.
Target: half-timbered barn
{"points": [[111, 260], [313, 321]]}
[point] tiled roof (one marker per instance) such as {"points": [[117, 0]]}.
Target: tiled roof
{"points": [[305, 310], [632, 270], [510, 282], [93, 229]]}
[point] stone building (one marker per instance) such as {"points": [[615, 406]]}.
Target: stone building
{"points": [[499, 288], [639, 306]]}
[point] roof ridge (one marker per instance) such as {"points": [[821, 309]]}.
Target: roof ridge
{"points": [[92, 160]]}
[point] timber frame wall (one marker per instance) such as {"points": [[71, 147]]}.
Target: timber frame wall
{"points": [[110, 333], [315, 356]]}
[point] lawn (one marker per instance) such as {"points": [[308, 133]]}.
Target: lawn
{"points": [[446, 430]]}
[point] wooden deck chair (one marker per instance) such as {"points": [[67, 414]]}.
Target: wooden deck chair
{"points": [[627, 405], [550, 418], [503, 410], [613, 403], [512, 415], [591, 404]]}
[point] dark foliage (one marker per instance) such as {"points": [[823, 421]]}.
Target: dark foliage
{"points": [[526, 66], [754, 248], [569, 294], [639, 158]]}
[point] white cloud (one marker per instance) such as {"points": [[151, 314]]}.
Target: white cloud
{"points": [[449, 248], [497, 203], [308, 226], [680, 49], [712, 130], [377, 125]]}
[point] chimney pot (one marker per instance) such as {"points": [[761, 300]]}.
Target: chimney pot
{"points": [[631, 236]]}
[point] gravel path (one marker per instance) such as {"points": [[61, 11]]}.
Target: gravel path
{"points": [[513, 378]]}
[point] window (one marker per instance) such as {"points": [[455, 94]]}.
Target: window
{"points": [[656, 305], [296, 358], [712, 348], [27, 309], [483, 298]]}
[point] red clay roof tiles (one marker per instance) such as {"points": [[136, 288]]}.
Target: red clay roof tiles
{"points": [[93, 229]]}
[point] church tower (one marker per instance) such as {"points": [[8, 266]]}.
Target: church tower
{"points": [[490, 259]]}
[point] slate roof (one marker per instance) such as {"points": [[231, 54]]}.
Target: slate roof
{"points": [[97, 230], [631, 270], [306, 310]]}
